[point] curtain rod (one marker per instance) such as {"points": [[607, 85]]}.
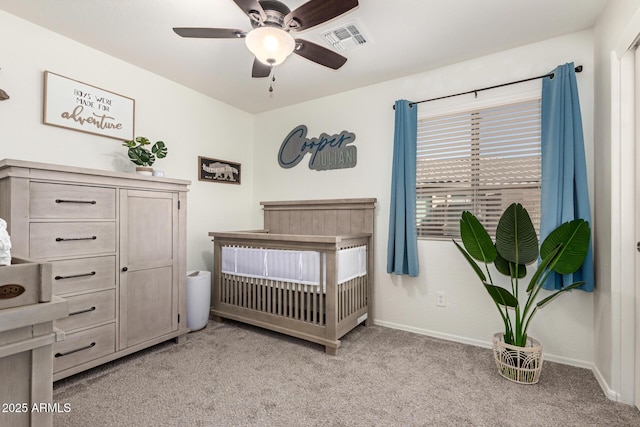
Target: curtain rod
{"points": [[578, 69]]}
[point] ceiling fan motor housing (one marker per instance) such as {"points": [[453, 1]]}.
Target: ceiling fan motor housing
{"points": [[275, 12]]}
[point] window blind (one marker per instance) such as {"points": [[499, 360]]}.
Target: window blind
{"points": [[481, 161]]}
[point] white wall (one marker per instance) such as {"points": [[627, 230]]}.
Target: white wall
{"points": [[190, 123], [565, 327], [614, 330]]}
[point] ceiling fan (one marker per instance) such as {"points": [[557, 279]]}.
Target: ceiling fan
{"points": [[270, 39]]}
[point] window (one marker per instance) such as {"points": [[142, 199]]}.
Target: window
{"points": [[481, 161]]}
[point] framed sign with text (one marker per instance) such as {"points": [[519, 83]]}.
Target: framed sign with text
{"points": [[214, 170], [78, 106]]}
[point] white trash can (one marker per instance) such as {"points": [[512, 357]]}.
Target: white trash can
{"points": [[198, 298]]}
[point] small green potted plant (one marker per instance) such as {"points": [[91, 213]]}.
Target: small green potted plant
{"points": [[142, 157], [518, 356]]}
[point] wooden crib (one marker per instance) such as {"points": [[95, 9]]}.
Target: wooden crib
{"points": [[320, 312]]}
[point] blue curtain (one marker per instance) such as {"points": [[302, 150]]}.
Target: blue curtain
{"points": [[565, 195], [402, 254]]}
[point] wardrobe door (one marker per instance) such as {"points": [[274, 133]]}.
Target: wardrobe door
{"points": [[148, 265]]}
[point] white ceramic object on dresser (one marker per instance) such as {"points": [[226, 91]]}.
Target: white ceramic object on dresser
{"points": [[117, 244]]}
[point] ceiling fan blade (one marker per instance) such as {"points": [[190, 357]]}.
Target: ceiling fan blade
{"points": [[260, 69], [210, 33], [319, 54], [251, 6], [315, 12]]}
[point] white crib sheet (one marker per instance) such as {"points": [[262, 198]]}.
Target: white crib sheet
{"points": [[292, 266]]}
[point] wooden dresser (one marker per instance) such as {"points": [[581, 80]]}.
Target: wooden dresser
{"points": [[27, 337], [117, 245]]}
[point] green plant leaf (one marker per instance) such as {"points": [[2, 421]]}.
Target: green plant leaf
{"points": [[505, 267], [501, 295], [138, 156], [142, 140], [471, 262], [542, 267], [574, 237], [160, 150], [516, 239], [475, 238], [566, 288]]}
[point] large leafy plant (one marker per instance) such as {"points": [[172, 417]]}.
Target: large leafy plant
{"points": [[140, 155], [516, 246]]}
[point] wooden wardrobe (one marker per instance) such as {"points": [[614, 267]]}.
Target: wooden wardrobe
{"points": [[117, 244]]}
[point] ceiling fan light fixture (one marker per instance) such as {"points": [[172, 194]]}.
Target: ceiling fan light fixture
{"points": [[270, 45]]}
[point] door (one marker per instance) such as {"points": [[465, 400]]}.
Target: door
{"points": [[636, 121], [148, 265]]}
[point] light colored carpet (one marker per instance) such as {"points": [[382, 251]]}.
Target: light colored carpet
{"points": [[230, 374]]}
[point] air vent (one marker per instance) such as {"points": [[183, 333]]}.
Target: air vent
{"points": [[346, 37]]}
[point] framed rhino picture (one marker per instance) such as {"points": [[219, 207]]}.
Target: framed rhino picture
{"points": [[215, 170]]}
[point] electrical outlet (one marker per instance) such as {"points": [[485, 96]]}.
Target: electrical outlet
{"points": [[441, 299]]}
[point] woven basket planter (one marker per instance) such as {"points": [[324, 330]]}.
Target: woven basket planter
{"points": [[518, 364]]}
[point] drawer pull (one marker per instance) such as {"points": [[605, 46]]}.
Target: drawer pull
{"points": [[89, 202], [93, 273], [66, 239], [82, 311], [93, 344]]}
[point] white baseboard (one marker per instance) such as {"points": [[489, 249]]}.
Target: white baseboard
{"points": [[487, 344], [611, 395], [433, 334]]}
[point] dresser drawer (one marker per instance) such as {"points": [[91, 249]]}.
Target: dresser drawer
{"points": [[89, 309], [84, 346], [83, 274], [60, 239], [71, 201]]}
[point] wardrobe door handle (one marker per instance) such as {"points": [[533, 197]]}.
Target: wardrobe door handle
{"points": [[76, 350], [125, 269]]}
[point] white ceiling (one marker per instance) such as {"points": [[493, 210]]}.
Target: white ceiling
{"points": [[404, 37]]}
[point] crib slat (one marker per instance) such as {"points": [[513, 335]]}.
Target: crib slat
{"points": [[352, 296], [308, 319], [252, 293], [340, 299], [296, 313], [321, 308], [345, 307], [314, 309], [226, 289], [243, 294], [347, 299], [236, 293], [223, 284]]}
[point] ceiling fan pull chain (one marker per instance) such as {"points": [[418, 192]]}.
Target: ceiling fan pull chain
{"points": [[273, 79]]}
